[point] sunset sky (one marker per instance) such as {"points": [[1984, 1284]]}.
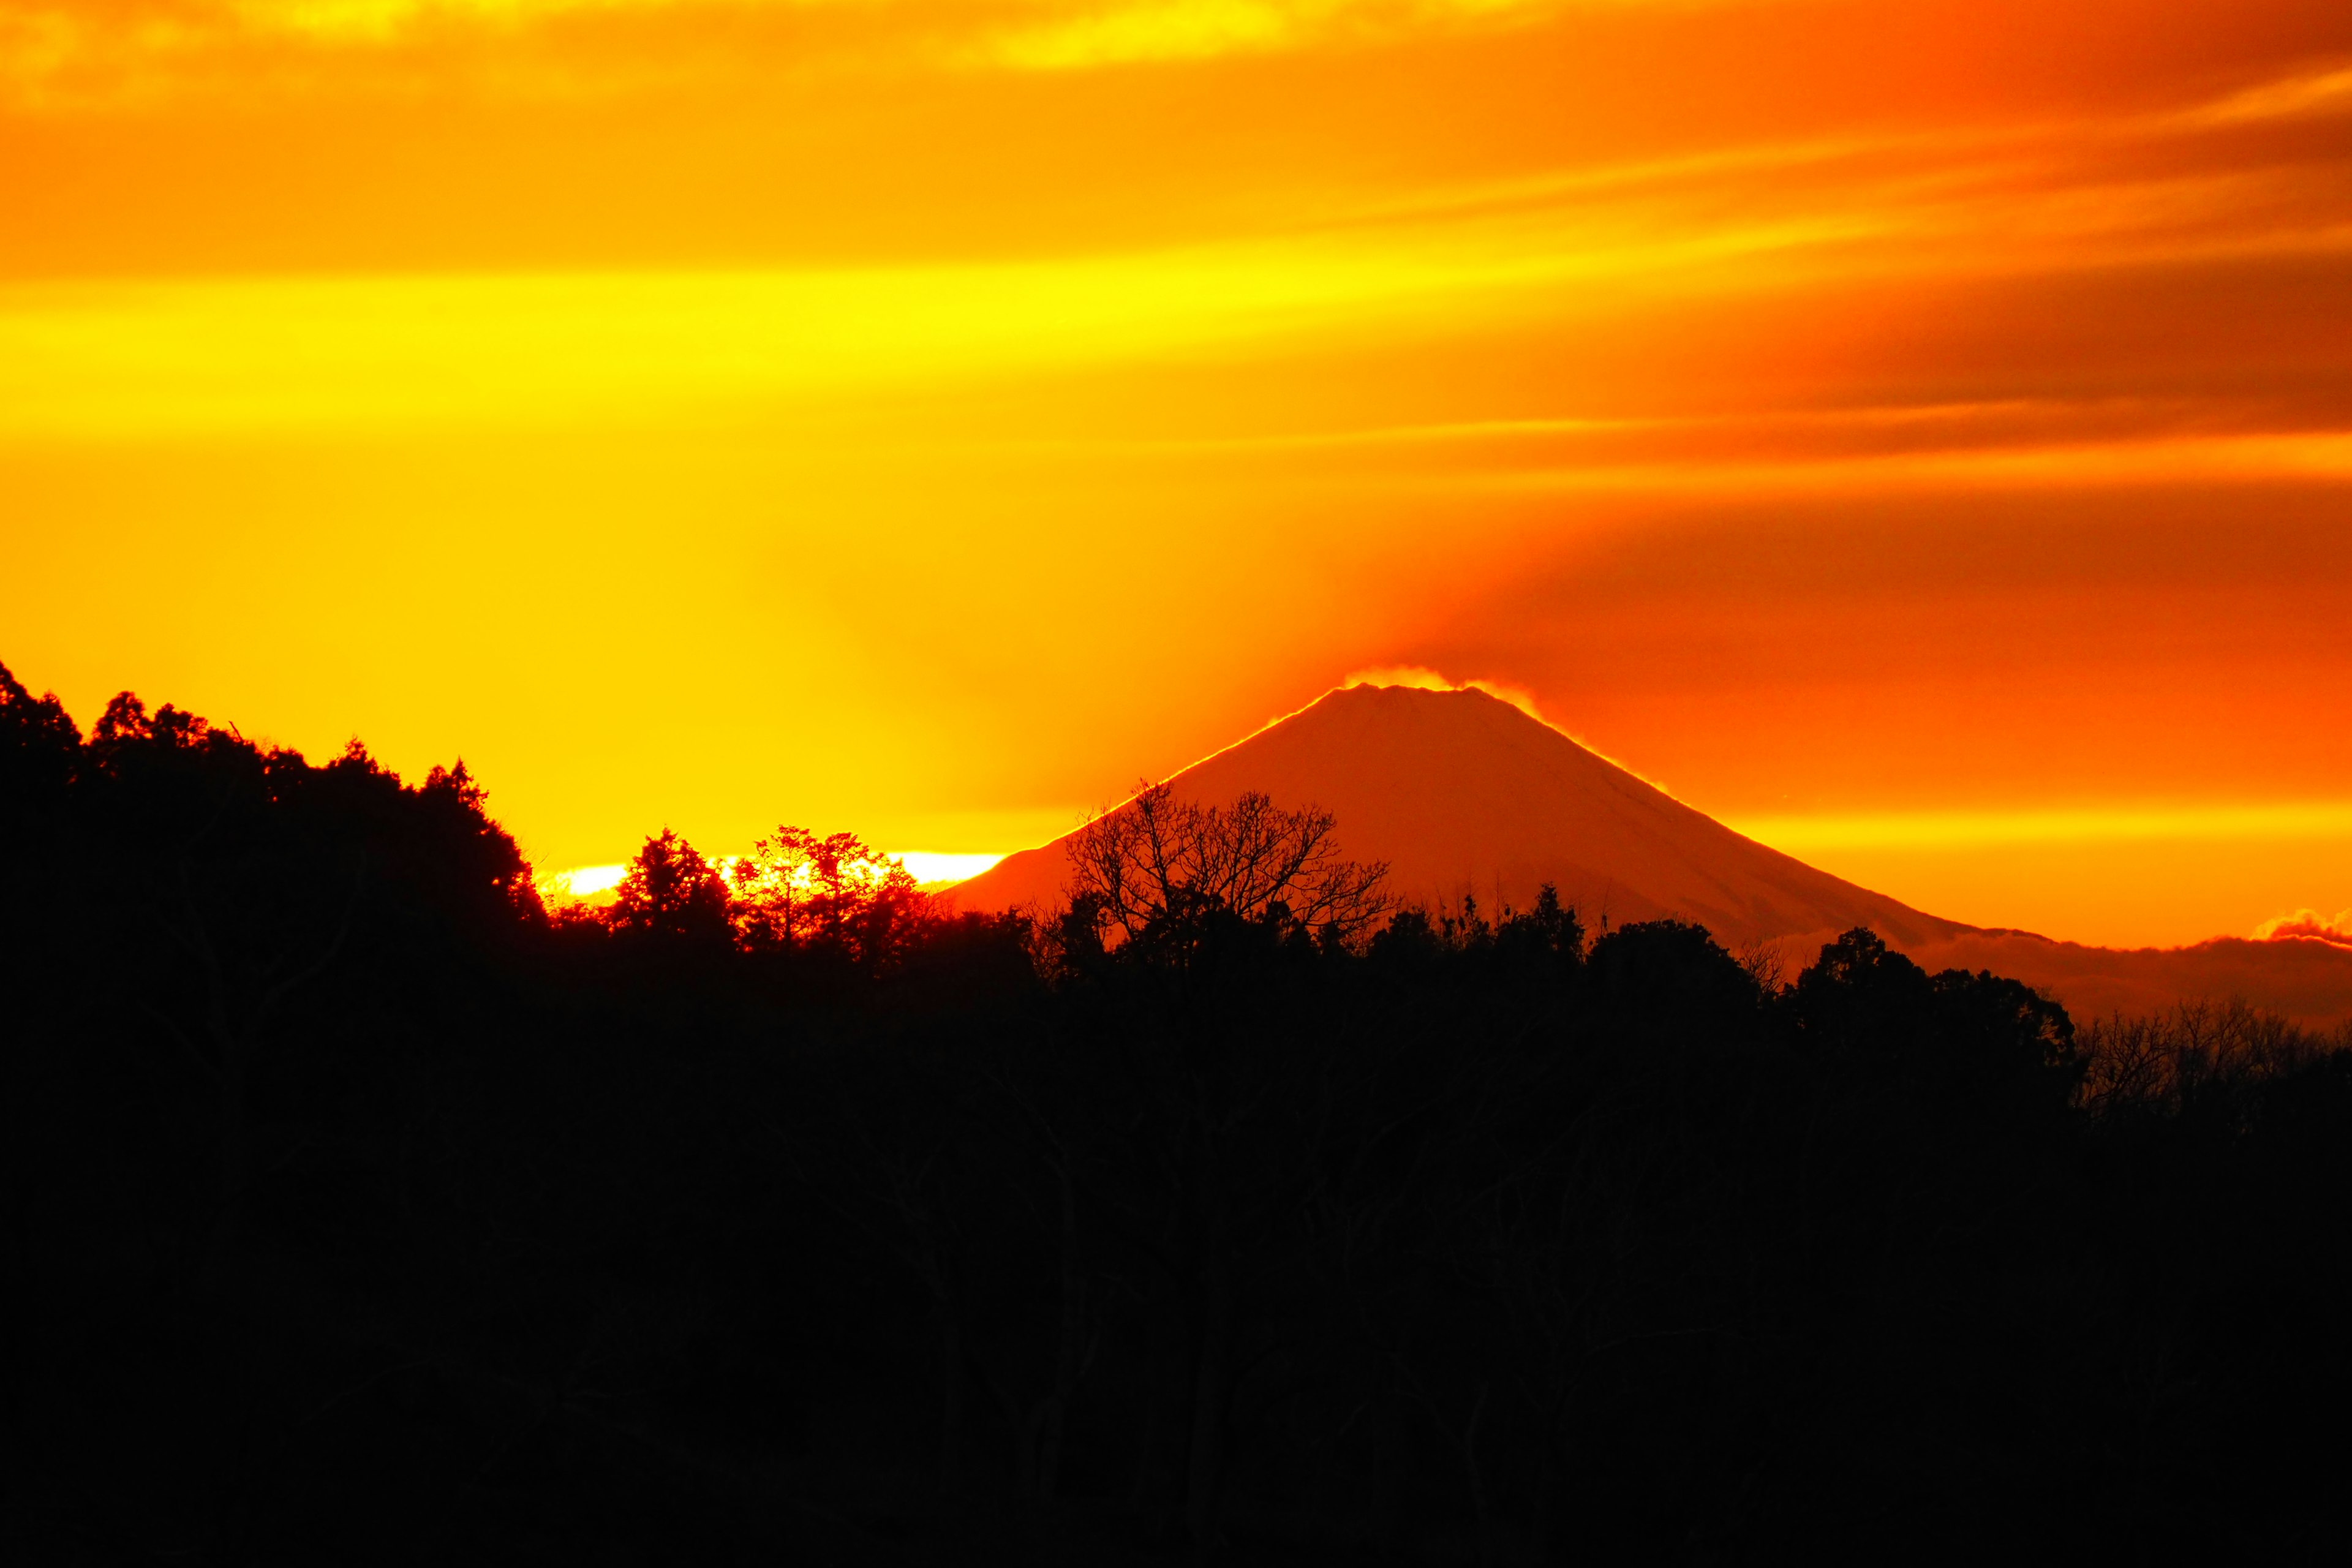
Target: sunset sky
{"points": [[1919, 434]]}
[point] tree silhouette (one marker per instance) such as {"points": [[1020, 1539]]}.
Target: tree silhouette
{"points": [[771, 889], [795, 888], [671, 891], [1159, 862], [355, 1209], [38, 745]]}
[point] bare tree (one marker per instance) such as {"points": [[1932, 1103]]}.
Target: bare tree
{"points": [[1157, 859]]}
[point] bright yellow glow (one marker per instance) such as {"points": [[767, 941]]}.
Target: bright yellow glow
{"points": [[148, 359], [364, 20], [2318, 454], [1124, 31], [1020, 35], [367, 18], [932, 866], [1954, 829], [588, 882], [594, 884], [2151, 875], [1159, 29]]}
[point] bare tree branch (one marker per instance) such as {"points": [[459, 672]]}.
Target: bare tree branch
{"points": [[1157, 859]]}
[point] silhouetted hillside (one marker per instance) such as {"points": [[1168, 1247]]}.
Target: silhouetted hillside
{"points": [[2303, 979], [359, 1210]]}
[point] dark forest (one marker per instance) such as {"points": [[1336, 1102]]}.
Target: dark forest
{"points": [[361, 1209]]}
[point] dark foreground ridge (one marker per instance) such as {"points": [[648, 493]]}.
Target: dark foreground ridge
{"points": [[360, 1211]]}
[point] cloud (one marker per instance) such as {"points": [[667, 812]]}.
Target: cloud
{"points": [[1417, 677], [1130, 31], [76, 55], [217, 357], [58, 53], [79, 54], [380, 18], [2308, 925], [1956, 830], [1043, 35], [1420, 678], [1170, 29], [2300, 96], [375, 20]]}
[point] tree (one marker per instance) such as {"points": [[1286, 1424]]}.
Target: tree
{"points": [[858, 890], [1159, 862], [795, 888], [771, 889], [38, 742], [671, 891]]}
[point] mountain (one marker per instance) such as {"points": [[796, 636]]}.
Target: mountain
{"points": [[2297, 976], [1463, 793]]}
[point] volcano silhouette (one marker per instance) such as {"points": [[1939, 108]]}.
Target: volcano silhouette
{"points": [[1465, 795]]}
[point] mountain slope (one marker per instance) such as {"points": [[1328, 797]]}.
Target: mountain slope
{"points": [[1461, 792]]}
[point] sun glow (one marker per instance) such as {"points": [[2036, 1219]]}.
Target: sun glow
{"points": [[931, 869], [586, 884]]}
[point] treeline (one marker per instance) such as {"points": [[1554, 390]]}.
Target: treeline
{"points": [[360, 1209]]}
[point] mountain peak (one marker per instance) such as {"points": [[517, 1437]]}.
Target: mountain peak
{"points": [[1465, 794]]}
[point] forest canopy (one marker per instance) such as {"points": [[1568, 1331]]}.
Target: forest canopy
{"points": [[367, 1209]]}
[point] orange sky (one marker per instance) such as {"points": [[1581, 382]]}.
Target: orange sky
{"points": [[1918, 433]]}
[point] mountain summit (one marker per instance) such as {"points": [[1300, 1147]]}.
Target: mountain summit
{"points": [[1463, 793]]}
